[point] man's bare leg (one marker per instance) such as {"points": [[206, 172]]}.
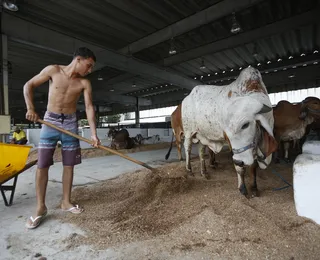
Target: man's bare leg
{"points": [[67, 180], [41, 189]]}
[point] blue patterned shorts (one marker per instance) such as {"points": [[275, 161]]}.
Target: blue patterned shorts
{"points": [[71, 152]]}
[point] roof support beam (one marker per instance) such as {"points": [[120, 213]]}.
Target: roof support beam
{"points": [[103, 96], [237, 40], [245, 37], [175, 96], [303, 75], [31, 33], [206, 16], [284, 80], [283, 65], [100, 95]]}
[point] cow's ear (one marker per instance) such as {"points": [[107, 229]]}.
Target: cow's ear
{"points": [[268, 144], [265, 109], [227, 139], [264, 123]]}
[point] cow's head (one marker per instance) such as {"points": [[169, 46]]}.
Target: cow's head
{"points": [[310, 107], [248, 125], [112, 132]]}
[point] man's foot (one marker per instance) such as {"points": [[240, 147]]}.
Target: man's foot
{"points": [[75, 209], [34, 222]]}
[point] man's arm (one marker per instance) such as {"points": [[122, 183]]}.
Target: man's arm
{"points": [[90, 111], [28, 88]]}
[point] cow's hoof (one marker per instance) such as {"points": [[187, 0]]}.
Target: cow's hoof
{"points": [[214, 165], [287, 160], [205, 175], [255, 193], [190, 172], [243, 190]]}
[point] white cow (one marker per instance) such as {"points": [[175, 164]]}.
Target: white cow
{"points": [[239, 113]]}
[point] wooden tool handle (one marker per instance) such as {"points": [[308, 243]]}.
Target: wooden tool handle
{"points": [[99, 146]]}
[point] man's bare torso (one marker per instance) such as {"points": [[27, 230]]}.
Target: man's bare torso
{"points": [[64, 92]]}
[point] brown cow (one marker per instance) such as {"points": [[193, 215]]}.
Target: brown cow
{"points": [[177, 129], [120, 139], [291, 121]]}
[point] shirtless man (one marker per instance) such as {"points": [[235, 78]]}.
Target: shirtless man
{"points": [[66, 83]]}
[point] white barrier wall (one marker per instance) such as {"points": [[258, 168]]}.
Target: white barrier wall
{"points": [[101, 132], [33, 136], [306, 182], [165, 135], [311, 147], [165, 132], [135, 131]]}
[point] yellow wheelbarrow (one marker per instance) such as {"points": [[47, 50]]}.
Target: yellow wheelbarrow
{"points": [[13, 160]]}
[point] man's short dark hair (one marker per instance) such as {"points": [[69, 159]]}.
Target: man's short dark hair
{"points": [[85, 53]]}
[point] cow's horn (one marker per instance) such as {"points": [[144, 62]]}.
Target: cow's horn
{"points": [[265, 109]]}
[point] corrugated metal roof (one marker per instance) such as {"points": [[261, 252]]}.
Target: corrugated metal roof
{"points": [[115, 24]]}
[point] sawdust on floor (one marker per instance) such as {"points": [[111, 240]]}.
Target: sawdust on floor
{"points": [[183, 215]]}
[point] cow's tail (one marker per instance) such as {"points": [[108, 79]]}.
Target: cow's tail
{"points": [[168, 153]]}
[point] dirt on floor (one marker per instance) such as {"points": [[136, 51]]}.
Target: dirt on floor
{"points": [[187, 215], [95, 152]]}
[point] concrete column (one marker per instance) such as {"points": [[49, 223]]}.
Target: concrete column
{"points": [[4, 97], [137, 113], [1, 82], [5, 74]]}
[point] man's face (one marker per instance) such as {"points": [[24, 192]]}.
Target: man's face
{"points": [[85, 66]]}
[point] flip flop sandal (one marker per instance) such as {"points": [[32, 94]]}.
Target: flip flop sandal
{"points": [[74, 210], [35, 222]]}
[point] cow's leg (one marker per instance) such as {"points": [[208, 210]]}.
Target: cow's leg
{"points": [[180, 146], [212, 159], [180, 139], [286, 146], [275, 156], [202, 149], [178, 143], [187, 148], [241, 184], [253, 180]]}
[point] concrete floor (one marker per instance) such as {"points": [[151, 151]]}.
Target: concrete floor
{"points": [[17, 242]]}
